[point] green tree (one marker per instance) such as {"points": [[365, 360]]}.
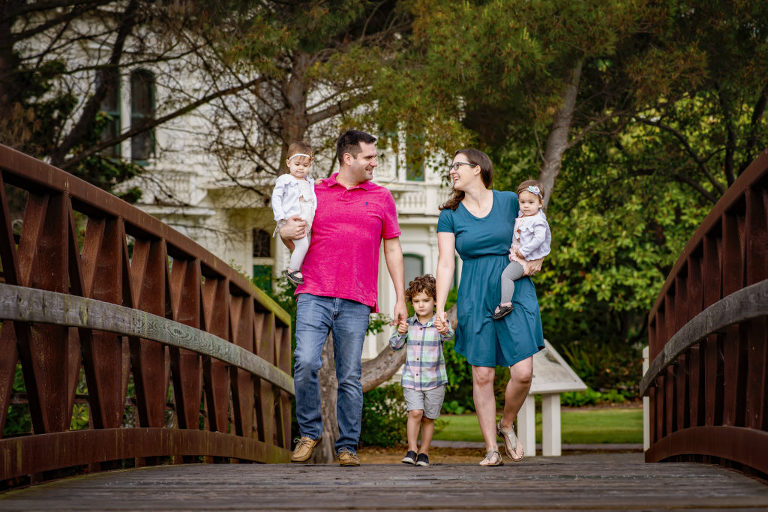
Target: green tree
{"points": [[699, 91], [651, 109]]}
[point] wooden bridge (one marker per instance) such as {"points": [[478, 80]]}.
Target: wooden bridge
{"points": [[708, 337], [178, 357], [181, 363]]}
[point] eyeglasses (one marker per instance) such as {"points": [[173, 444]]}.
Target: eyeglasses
{"points": [[455, 167]]}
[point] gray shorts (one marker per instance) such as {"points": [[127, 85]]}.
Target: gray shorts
{"points": [[430, 401]]}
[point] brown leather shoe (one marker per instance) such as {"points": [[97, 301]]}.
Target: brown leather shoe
{"points": [[304, 448], [347, 458]]}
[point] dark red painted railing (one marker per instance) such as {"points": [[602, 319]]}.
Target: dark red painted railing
{"points": [[184, 359], [708, 337]]}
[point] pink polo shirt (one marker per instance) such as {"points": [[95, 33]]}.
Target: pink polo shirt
{"points": [[343, 256]]}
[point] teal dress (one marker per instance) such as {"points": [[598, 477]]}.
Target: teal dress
{"points": [[483, 245]]}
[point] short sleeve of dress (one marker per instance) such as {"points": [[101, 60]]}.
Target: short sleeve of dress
{"points": [[512, 204], [445, 221]]}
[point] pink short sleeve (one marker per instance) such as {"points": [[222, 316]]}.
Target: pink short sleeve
{"points": [[390, 228]]}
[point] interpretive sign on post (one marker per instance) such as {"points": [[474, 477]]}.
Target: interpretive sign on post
{"points": [[551, 376]]}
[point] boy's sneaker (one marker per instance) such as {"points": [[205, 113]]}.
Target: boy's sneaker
{"points": [[347, 458], [422, 460], [410, 458]]}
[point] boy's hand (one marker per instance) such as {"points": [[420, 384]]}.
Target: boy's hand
{"points": [[402, 327], [441, 321]]}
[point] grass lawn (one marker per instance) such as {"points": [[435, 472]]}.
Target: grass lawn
{"points": [[579, 426]]}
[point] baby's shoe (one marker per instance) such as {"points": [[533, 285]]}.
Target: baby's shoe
{"points": [[294, 276], [502, 311]]}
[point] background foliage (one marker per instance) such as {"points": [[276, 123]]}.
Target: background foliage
{"points": [[669, 110], [384, 416]]}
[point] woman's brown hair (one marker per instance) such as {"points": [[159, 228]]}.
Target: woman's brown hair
{"points": [[476, 157]]}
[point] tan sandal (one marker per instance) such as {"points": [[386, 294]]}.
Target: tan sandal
{"points": [[492, 458], [511, 442]]}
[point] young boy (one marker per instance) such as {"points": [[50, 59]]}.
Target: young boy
{"points": [[424, 375]]}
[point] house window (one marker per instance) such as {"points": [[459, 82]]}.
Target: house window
{"points": [[142, 110], [414, 267], [110, 106], [263, 262], [261, 244]]}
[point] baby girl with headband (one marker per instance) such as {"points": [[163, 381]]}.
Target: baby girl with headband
{"points": [[294, 196], [531, 241]]}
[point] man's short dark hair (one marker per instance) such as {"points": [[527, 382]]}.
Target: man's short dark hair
{"points": [[349, 142]]}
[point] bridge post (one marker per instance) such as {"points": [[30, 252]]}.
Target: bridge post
{"points": [[526, 426]]}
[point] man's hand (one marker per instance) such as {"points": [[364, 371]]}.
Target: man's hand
{"points": [[293, 229], [400, 313]]}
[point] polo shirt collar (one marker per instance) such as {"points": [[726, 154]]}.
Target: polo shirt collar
{"points": [[366, 185]]}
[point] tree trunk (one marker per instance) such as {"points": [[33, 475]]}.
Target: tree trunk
{"points": [[557, 142], [295, 91], [324, 452], [375, 372], [379, 369]]}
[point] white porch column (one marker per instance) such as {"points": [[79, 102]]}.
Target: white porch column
{"points": [[550, 425], [526, 426]]}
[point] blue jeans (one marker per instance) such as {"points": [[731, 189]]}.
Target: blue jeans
{"points": [[348, 321]]}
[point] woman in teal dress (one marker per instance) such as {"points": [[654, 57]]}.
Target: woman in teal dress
{"points": [[478, 223]]}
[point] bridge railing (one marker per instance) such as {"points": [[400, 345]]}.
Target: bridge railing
{"points": [[176, 356], [708, 337]]}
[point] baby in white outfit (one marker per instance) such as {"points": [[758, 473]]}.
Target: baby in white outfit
{"points": [[531, 241], [294, 196]]}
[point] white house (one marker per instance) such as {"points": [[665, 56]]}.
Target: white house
{"points": [[185, 183]]}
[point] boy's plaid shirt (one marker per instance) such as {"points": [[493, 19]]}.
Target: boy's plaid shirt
{"points": [[424, 362]]}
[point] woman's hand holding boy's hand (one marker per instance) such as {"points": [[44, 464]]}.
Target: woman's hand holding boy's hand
{"points": [[402, 327], [441, 326], [441, 322]]}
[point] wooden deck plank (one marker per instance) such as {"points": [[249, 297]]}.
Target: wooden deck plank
{"points": [[575, 482]]}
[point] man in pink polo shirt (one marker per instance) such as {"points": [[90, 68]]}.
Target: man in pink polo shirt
{"points": [[340, 289]]}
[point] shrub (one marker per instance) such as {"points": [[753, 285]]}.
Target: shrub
{"points": [[384, 417], [605, 368], [592, 397], [579, 398], [453, 407], [459, 372]]}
